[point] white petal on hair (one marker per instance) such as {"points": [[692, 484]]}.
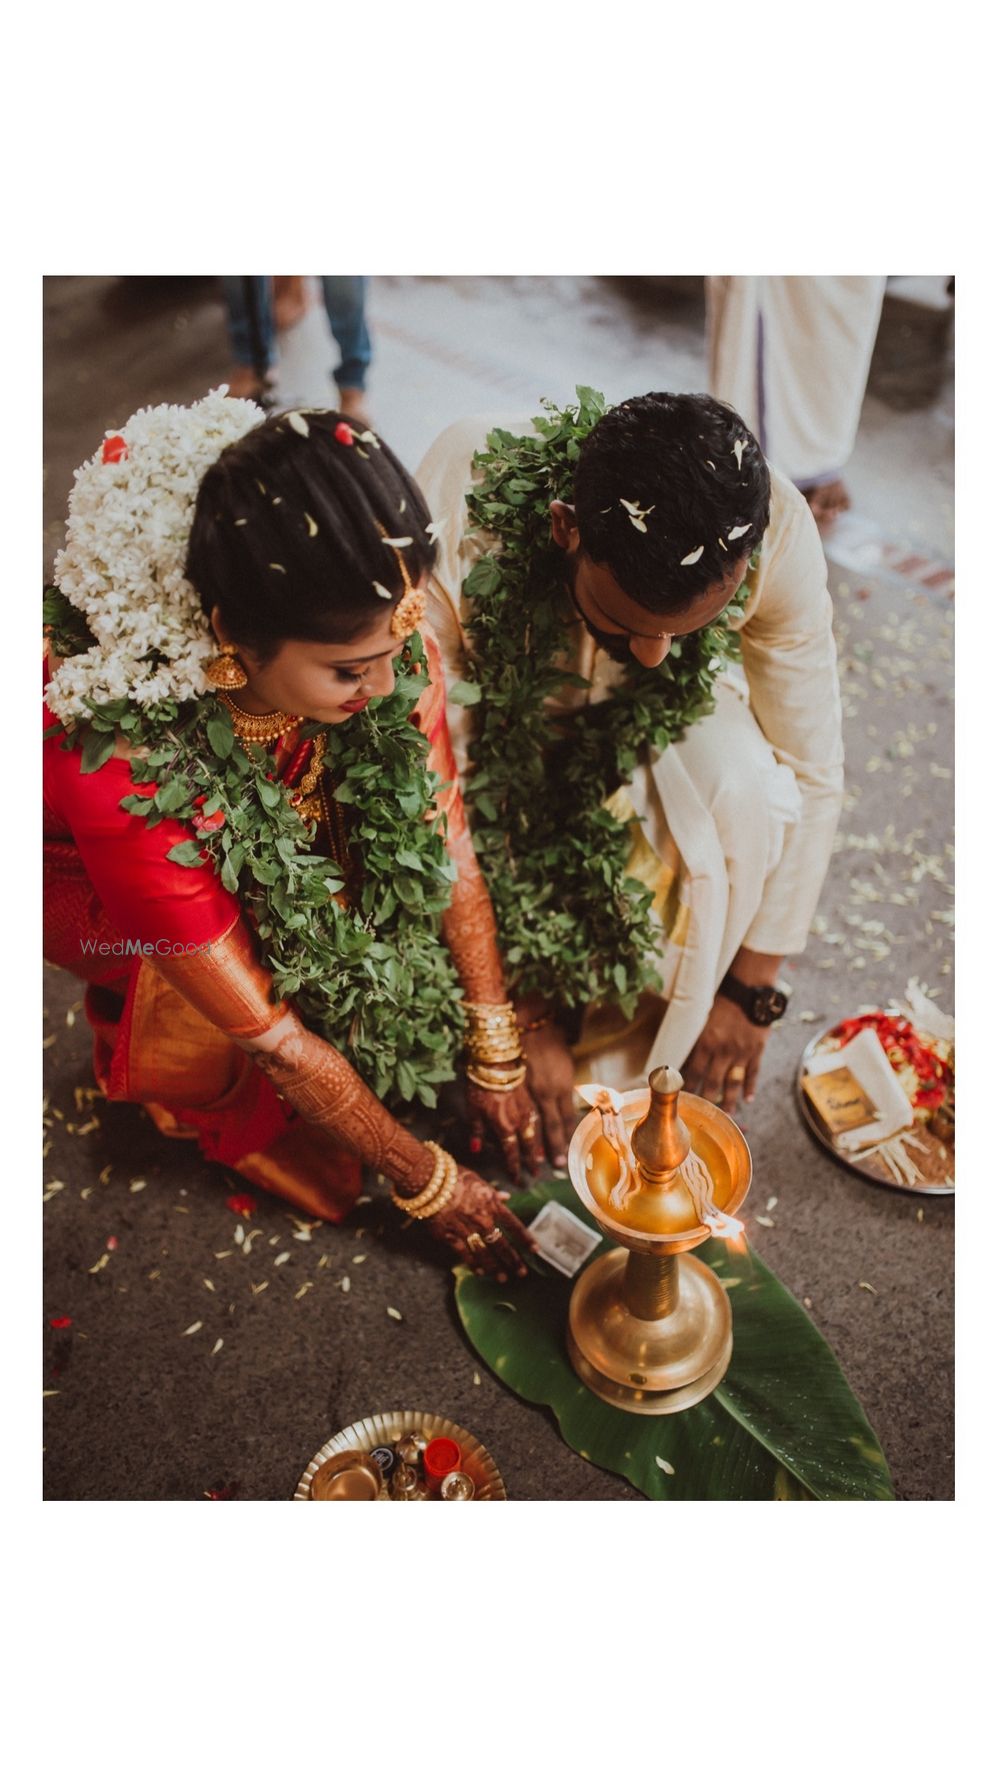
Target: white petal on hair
{"points": [[737, 531], [298, 424], [738, 450], [369, 438], [435, 528], [402, 506], [311, 522], [695, 556], [709, 462], [383, 592], [640, 524], [398, 542], [277, 567]]}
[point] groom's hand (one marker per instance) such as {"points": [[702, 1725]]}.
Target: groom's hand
{"points": [[725, 1061]]}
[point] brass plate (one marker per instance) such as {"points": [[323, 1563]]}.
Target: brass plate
{"points": [[816, 1127], [385, 1429]]}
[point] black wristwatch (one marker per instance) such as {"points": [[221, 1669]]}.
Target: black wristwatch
{"points": [[763, 1006]]}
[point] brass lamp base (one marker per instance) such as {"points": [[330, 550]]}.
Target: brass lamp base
{"points": [[650, 1334]]}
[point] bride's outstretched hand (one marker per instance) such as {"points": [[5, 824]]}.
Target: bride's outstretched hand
{"points": [[477, 1225]]}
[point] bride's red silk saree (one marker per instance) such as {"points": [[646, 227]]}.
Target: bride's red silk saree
{"points": [[173, 975]]}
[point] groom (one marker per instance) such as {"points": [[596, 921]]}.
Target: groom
{"points": [[673, 507]]}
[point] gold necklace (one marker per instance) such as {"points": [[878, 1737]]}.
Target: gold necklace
{"points": [[259, 729], [305, 799]]}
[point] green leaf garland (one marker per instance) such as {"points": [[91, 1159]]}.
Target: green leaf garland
{"points": [[375, 979], [573, 925]]}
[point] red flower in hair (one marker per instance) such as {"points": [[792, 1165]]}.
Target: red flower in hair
{"points": [[114, 449], [342, 433]]}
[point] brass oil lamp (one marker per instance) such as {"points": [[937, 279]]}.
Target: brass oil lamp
{"points": [[660, 1170]]}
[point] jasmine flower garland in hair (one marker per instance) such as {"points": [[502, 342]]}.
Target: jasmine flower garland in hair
{"points": [[573, 925]]}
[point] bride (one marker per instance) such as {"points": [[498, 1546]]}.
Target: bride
{"points": [[254, 839]]}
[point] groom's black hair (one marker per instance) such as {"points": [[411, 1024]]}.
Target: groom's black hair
{"points": [[286, 537], [693, 473]]}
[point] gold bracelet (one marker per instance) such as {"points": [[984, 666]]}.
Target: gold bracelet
{"points": [[421, 1208], [508, 1049], [433, 1186], [488, 1012], [499, 1083]]}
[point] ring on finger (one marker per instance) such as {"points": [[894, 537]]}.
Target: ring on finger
{"points": [[475, 1242], [531, 1127], [737, 1074]]}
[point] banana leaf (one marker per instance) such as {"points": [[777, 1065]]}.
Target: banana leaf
{"points": [[783, 1424]]}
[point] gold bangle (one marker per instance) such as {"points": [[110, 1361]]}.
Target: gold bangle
{"points": [[498, 1083], [500, 1076], [509, 1050], [488, 1011], [433, 1186], [420, 1209]]}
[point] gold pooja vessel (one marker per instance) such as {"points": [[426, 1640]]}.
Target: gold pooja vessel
{"points": [[650, 1327]]}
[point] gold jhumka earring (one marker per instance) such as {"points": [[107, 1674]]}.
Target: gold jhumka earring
{"points": [[225, 672], [412, 606]]}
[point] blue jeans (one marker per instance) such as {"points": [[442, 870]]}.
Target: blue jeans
{"points": [[251, 324]]}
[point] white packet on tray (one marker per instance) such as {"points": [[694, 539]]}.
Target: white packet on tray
{"points": [[873, 1071]]}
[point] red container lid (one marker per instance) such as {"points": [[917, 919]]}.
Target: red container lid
{"points": [[441, 1457]]}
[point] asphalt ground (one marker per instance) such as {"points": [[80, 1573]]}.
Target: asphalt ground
{"points": [[143, 1274]]}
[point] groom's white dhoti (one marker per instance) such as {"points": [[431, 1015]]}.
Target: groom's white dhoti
{"points": [[734, 824]]}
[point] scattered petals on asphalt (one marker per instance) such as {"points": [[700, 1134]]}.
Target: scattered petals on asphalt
{"points": [[208, 1284], [280, 1258], [102, 1262], [772, 1204], [105, 1174], [137, 1185], [863, 1286], [302, 1289], [216, 1348], [359, 1259], [807, 1302], [476, 1378], [46, 1392], [196, 1327], [395, 1314], [766, 1222], [345, 1284], [257, 1288]]}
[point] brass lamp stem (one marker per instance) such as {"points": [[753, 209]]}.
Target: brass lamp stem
{"points": [[650, 1285]]}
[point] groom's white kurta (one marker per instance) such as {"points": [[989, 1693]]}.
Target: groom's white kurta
{"points": [[738, 818]]}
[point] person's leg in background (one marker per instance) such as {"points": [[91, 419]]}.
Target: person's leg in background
{"points": [[345, 307], [249, 312]]}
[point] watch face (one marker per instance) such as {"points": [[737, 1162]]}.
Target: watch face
{"points": [[769, 1006]]}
